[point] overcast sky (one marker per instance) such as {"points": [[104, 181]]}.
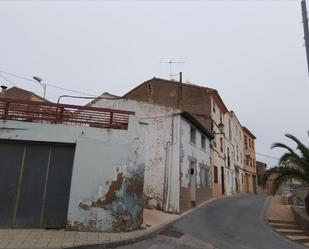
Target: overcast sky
{"points": [[252, 52]]}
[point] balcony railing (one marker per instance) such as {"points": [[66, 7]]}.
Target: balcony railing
{"points": [[52, 113]]}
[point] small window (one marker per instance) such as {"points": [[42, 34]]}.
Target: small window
{"points": [[203, 142], [204, 176], [215, 174], [214, 108], [193, 135]]}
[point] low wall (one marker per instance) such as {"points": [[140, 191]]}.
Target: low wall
{"points": [[301, 218]]}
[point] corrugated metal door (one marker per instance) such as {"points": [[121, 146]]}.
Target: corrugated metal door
{"points": [[37, 178], [58, 186], [9, 172]]}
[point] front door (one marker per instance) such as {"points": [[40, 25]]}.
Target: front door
{"points": [[193, 183], [222, 180]]}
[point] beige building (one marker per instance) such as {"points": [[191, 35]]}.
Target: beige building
{"points": [[221, 173], [250, 179]]}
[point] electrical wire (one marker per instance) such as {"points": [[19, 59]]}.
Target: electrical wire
{"points": [[270, 157], [50, 85]]}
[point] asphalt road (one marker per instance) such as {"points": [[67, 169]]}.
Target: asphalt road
{"points": [[231, 223]]}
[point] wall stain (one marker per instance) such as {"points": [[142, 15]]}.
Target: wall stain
{"points": [[124, 200]]}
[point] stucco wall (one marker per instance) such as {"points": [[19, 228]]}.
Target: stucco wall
{"points": [[108, 170]]}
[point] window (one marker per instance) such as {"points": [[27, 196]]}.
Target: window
{"points": [[204, 176], [249, 143], [252, 144], [193, 135], [240, 157], [203, 142], [214, 107], [228, 157], [221, 144], [246, 142], [253, 162], [215, 174], [230, 130]]}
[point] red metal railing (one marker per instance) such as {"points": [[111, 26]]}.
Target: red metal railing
{"points": [[47, 112]]}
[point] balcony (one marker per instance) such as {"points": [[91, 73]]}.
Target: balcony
{"points": [[52, 113]]}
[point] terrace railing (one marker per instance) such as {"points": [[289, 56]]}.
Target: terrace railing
{"points": [[52, 113]]}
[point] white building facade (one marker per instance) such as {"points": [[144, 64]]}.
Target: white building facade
{"points": [[177, 154]]}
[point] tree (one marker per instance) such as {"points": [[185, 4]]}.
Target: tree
{"points": [[293, 165]]}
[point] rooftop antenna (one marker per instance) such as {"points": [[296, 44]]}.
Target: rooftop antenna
{"points": [[171, 63]]}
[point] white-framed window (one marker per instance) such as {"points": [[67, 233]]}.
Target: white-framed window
{"points": [[193, 135], [204, 176]]}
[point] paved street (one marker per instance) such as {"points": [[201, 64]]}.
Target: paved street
{"points": [[232, 223]]}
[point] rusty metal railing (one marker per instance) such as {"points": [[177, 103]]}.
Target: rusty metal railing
{"points": [[47, 112]]}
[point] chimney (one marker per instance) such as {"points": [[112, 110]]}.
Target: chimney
{"points": [[3, 88]]}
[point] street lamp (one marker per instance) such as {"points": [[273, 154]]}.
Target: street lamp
{"points": [[220, 127], [39, 80]]}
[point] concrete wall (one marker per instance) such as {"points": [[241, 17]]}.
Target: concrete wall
{"points": [[108, 170], [190, 152]]}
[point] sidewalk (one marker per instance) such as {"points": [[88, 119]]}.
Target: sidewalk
{"points": [[154, 222], [281, 218]]}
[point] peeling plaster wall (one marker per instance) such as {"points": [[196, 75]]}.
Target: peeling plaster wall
{"points": [[159, 152], [108, 171], [191, 152]]}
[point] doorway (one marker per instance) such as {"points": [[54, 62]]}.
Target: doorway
{"points": [[193, 183], [222, 180]]}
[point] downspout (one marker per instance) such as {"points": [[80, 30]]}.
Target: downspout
{"points": [[165, 173]]}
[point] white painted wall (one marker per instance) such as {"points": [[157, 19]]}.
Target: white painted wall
{"points": [[231, 147], [237, 144], [100, 154]]}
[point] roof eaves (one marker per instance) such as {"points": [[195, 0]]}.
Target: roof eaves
{"points": [[194, 121]]}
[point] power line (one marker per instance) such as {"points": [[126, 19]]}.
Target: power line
{"points": [[50, 85], [270, 157]]}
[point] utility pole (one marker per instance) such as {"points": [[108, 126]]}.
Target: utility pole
{"points": [[306, 30], [180, 103]]}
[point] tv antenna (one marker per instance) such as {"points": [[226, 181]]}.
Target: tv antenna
{"points": [[171, 63]]}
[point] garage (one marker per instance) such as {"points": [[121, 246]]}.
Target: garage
{"points": [[35, 180]]}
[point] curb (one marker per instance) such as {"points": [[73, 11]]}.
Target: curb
{"points": [[150, 233]]}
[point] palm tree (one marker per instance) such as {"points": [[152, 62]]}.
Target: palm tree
{"points": [[292, 165]]}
